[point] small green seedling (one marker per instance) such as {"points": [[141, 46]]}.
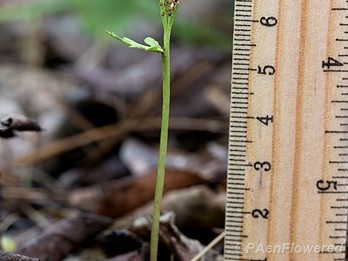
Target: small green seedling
{"points": [[167, 12]]}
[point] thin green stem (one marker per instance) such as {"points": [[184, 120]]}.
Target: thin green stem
{"points": [[163, 145]]}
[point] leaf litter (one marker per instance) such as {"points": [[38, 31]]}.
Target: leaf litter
{"points": [[78, 148]]}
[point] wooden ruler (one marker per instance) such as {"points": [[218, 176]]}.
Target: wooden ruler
{"points": [[287, 196]]}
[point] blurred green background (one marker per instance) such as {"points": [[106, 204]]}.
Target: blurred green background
{"points": [[198, 22]]}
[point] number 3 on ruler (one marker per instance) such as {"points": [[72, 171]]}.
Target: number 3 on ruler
{"points": [[266, 166]]}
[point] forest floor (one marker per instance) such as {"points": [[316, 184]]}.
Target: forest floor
{"points": [[81, 188]]}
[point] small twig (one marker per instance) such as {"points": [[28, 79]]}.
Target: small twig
{"points": [[208, 247], [117, 131], [15, 257], [8, 221]]}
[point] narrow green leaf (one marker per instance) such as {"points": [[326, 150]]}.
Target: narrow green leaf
{"points": [[114, 35], [152, 44], [133, 44]]}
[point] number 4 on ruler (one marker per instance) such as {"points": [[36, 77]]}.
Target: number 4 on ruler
{"points": [[330, 62]]}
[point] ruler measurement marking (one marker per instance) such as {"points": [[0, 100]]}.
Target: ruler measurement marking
{"points": [[241, 88], [243, 5], [241, 30], [242, 48], [243, 93], [336, 222], [247, 64], [247, 20], [242, 10], [340, 215], [341, 229], [236, 179], [239, 102], [246, 44], [339, 207], [332, 192], [242, 15]]}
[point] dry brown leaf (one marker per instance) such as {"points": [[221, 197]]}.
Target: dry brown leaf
{"points": [[118, 198], [58, 241], [197, 207]]}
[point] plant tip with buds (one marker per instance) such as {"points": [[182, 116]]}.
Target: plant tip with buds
{"points": [[169, 7]]}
